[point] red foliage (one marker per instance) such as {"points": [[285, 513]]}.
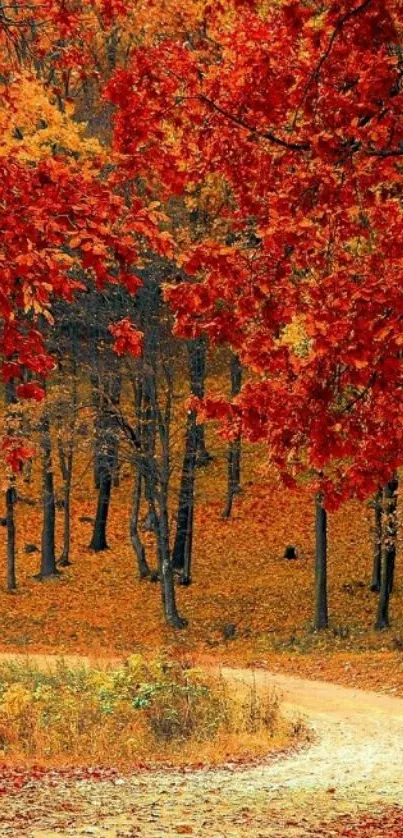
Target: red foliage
{"points": [[128, 340], [298, 110]]}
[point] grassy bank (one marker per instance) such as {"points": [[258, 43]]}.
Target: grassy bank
{"points": [[140, 712]]}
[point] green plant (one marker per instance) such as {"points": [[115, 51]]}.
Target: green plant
{"points": [[142, 710]]}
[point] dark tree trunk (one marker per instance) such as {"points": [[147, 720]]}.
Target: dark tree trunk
{"points": [[115, 392], [139, 482], [98, 541], [48, 561], [96, 400], [321, 619], [65, 557], [377, 543], [103, 402], [66, 459], [11, 498], [137, 544], [235, 446], [167, 575], [182, 551], [159, 485], [107, 460], [148, 436], [388, 553], [197, 369], [394, 533]]}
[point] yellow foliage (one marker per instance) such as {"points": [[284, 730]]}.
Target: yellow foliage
{"points": [[32, 126]]}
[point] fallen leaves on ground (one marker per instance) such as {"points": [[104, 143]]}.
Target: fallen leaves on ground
{"points": [[240, 578]]}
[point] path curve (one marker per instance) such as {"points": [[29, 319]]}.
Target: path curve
{"points": [[354, 764]]}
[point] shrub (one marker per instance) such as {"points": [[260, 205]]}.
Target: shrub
{"points": [[141, 711]]}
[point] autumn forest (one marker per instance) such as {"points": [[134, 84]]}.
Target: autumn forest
{"points": [[201, 428]]}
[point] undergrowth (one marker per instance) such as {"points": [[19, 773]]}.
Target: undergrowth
{"points": [[158, 711]]}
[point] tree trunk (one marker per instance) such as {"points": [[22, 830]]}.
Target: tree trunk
{"points": [[321, 619], [96, 400], [148, 437], [107, 459], [235, 446], [182, 552], [113, 387], [66, 460], [98, 541], [11, 498], [48, 560], [65, 557], [167, 575], [137, 544], [139, 482], [388, 554], [377, 543], [394, 535], [159, 486], [197, 370]]}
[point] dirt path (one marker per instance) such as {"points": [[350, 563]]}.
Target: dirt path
{"points": [[354, 764]]}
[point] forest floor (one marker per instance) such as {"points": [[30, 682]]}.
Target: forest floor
{"points": [[352, 766], [240, 579]]}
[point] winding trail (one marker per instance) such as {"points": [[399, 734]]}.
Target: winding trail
{"points": [[354, 764]]}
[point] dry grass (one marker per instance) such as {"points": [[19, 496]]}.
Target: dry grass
{"points": [[140, 712]]}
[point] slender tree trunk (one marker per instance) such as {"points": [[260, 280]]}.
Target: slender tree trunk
{"points": [[159, 484], [148, 436], [235, 446], [167, 575], [388, 553], [182, 551], [65, 557], [321, 619], [115, 392], [66, 459], [11, 498], [197, 369], [48, 559], [107, 457], [139, 482], [96, 401], [137, 544], [377, 543], [395, 531]]}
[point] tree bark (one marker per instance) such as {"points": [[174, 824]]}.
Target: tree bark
{"points": [[66, 459], [107, 458], [197, 370], [182, 551], [11, 498], [48, 557], [139, 483], [99, 541], [138, 546], [321, 618], [172, 615], [377, 543], [159, 484], [148, 436], [96, 400], [388, 554], [65, 556], [235, 446]]}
